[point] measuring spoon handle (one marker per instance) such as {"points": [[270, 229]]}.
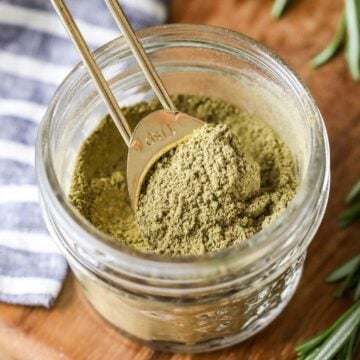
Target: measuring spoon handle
{"points": [[138, 51], [95, 72]]}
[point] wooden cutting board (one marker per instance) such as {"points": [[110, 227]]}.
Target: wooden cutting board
{"points": [[72, 330]]}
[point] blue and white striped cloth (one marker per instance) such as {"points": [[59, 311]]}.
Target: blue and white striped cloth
{"points": [[35, 55]]}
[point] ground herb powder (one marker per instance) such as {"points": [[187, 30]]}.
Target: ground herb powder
{"points": [[213, 191]]}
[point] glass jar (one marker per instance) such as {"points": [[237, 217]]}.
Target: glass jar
{"points": [[198, 303]]}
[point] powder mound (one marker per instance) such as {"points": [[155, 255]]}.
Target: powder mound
{"points": [[198, 197]]}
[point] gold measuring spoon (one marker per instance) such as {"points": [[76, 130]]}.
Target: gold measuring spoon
{"points": [[157, 132]]}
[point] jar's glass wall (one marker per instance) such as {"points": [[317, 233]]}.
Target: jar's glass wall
{"points": [[192, 325], [238, 299]]}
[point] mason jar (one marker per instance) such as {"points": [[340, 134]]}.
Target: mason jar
{"points": [[194, 303]]}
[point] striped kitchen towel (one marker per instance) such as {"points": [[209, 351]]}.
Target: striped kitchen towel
{"points": [[35, 55]]}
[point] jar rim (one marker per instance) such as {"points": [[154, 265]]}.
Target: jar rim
{"points": [[261, 242]]}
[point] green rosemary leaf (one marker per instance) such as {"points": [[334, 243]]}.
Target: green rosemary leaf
{"points": [[353, 194], [357, 291], [325, 55], [357, 338], [341, 334], [349, 348], [344, 354], [315, 341], [352, 11], [339, 341], [312, 343], [341, 354], [349, 283], [312, 355], [310, 346], [349, 216], [344, 269], [278, 8]]}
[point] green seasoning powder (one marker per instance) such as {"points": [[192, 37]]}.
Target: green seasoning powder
{"points": [[215, 190]]}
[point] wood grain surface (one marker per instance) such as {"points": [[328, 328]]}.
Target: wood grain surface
{"points": [[72, 330]]}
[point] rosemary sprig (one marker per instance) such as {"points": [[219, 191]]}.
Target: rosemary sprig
{"points": [[349, 216], [342, 335], [343, 270], [352, 10], [340, 340], [352, 214], [348, 31], [333, 47], [349, 272], [353, 194]]}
